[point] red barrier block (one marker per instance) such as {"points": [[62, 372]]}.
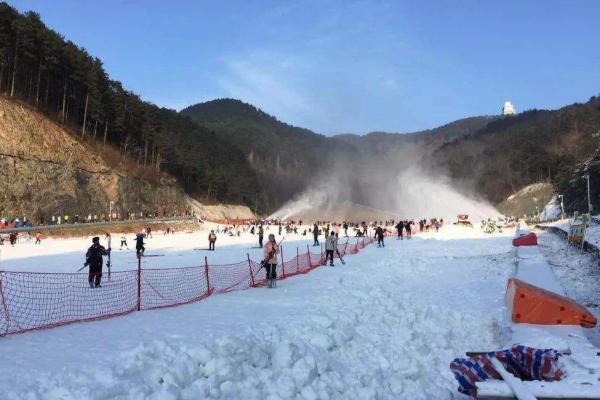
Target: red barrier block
{"points": [[526, 240]]}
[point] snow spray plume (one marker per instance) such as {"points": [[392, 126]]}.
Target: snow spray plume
{"points": [[388, 183]]}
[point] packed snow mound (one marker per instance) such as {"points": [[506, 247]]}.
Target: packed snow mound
{"points": [[552, 211], [382, 350]]}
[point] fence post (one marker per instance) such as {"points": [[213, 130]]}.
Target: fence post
{"points": [[139, 283], [322, 260], [282, 263], [250, 268], [208, 291], [308, 254]]}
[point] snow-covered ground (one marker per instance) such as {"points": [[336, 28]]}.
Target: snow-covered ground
{"points": [[385, 325], [592, 233], [578, 271]]}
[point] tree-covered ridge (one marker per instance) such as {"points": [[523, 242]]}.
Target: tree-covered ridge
{"points": [[534, 146], [40, 67], [286, 158]]}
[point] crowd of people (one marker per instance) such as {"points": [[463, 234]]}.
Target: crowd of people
{"points": [[64, 219]]}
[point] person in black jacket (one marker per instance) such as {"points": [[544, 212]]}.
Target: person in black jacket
{"points": [[139, 244], [315, 235], [400, 228], [379, 235], [93, 259]]}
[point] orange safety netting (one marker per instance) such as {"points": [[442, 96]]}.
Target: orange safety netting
{"points": [[533, 305]]}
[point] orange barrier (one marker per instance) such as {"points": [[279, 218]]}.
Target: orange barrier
{"points": [[526, 240], [533, 305]]}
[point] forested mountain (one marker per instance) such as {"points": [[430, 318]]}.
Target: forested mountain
{"points": [[534, 146], [286, 158], [228, 151], [384, 142], [59, 78]]}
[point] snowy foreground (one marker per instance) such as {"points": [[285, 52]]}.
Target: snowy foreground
{"points": [[385, 325]]}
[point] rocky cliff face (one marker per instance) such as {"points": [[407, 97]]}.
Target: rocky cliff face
{"points": [[46, 171]]}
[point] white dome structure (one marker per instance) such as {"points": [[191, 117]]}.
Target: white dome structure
{"points": [[508, 108]]}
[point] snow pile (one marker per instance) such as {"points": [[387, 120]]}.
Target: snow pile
{"points": [[551, 212], [331, 356]]}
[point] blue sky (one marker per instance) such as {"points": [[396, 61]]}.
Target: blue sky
{"points": [[343, 66]]}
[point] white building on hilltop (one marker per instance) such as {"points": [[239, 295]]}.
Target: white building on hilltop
{"points": [[508, 108]]}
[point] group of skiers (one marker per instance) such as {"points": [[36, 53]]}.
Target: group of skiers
{"points": [[13, 237], [271, 248]]}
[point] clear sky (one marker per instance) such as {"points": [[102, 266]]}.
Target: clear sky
{"points": [[343, 66]]}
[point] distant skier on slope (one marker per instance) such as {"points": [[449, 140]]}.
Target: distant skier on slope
{"points": [[123, 242], [261, 233], [400, 228], [345, 226], [316, 234], [330, 247], [212, 238], [93, 259], [139, 244], [407, 226], [379, 235], [269, 261]]}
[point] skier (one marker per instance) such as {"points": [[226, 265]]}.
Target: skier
{"points": [[400, 228], [212, 238], [148, 232], [271, 250], [123, 243], [280, 228], [261, 233], [407, 226], [139, 245], [38, 238], [345, 229], [93, 259], [379, 235], [12, 238], [316, 235], [330, 247]]}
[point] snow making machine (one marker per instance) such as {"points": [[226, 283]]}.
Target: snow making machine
{"points": [[463, 220]]}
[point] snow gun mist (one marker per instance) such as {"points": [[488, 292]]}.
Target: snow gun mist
{"points": [[393, 190]]}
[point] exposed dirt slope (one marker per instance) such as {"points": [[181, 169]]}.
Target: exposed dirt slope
{"points": [[46, 171]]}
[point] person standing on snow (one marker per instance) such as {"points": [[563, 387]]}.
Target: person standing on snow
{"points": [[345, 229], [261, 233], [379, 235], [400, 228], [407, 226], [269, 261], [316, 234], [139, 245], [123, 243], [212, 238], [330, 247], [93, 259]]}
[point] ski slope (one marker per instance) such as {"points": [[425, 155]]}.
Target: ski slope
{"points": [[385, 325]]}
